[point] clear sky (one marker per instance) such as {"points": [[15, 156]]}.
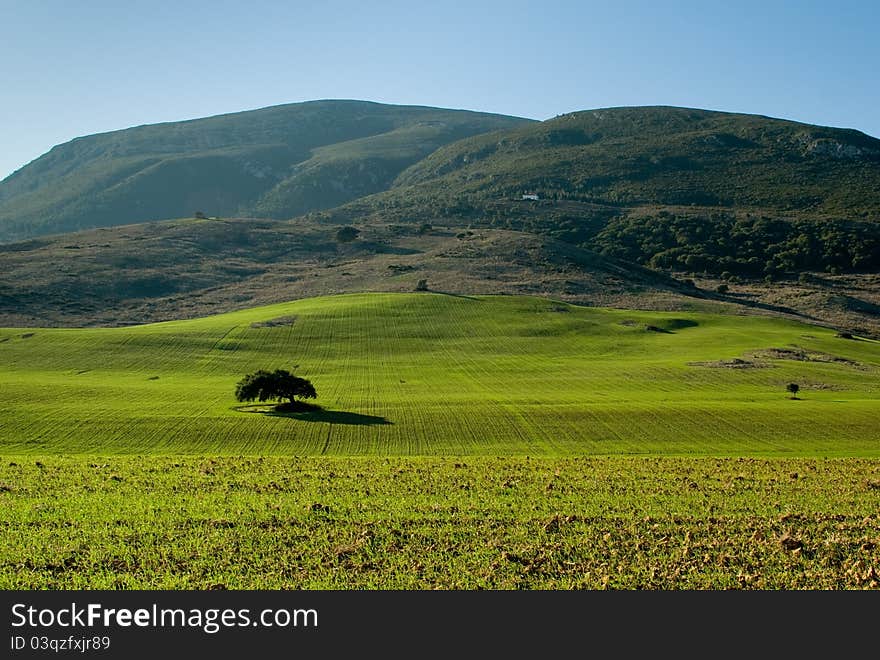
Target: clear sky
{"points": [[76, 67]]}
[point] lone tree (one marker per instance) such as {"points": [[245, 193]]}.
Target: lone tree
{"points": [[275, 385], [794, 388]]}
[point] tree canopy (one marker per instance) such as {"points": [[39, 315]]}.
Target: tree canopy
{"points": [[275, 385]]}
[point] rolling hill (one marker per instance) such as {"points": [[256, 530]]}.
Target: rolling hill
{"points": [[275, 162], [434, 374]]}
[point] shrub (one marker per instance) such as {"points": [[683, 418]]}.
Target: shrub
{"points": [[347, 234]]}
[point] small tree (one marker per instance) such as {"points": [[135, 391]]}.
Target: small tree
{"points": [[274, 386], [347, 234], [794, 388], [422, 285]]}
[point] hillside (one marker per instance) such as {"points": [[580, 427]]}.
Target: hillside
{"points": [[671, 188], [161, 271], [434, 374], [158, 271], [666, 156], [275, 162]]}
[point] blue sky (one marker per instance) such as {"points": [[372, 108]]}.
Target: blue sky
{"points": [[75, 68]]}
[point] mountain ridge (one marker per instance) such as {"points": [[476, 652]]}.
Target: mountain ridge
{"points": [[224, 164], [677, 137], [286, 160]]}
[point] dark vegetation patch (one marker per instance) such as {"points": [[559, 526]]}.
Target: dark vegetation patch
{"points": [[750, 246]]}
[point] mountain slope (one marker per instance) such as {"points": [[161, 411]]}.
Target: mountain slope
{"points": [[668, 156], [674, 188], [275, 162]]}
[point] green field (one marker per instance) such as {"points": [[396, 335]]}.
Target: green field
{"points": [[622, 522], [432, 374], [472, 443]]}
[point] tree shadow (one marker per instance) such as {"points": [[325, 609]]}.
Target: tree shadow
{"points": [[313, 413], [333, 417], [670, 325]]}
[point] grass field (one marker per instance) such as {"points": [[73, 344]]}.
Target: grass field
{"points": [[431, 374], [429, 522], [489, 442]]}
